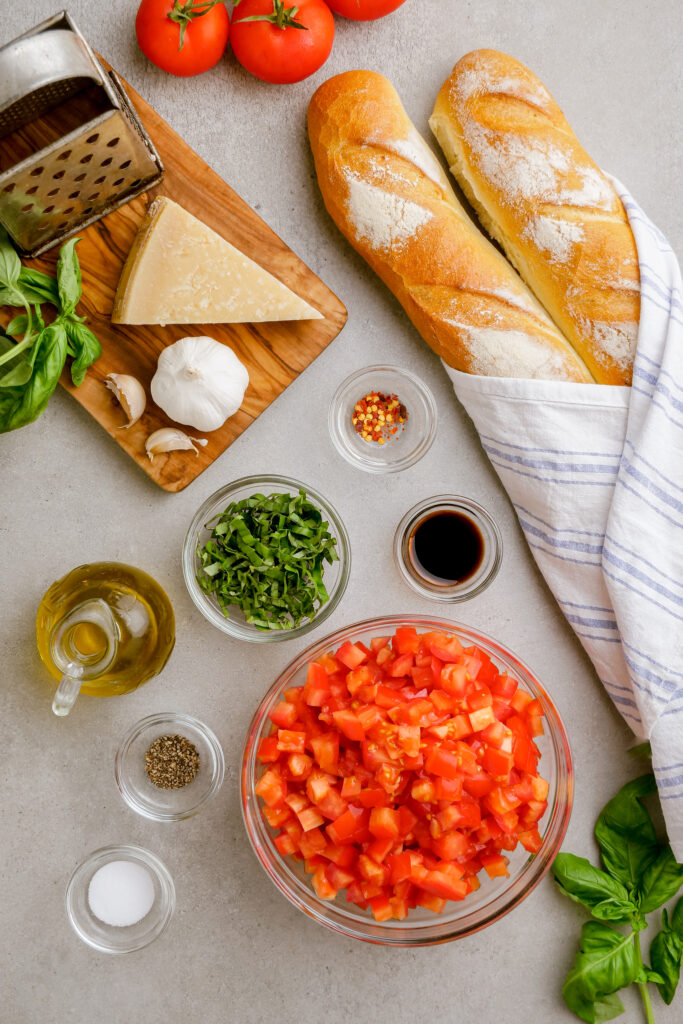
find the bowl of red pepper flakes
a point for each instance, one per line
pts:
(382, 419)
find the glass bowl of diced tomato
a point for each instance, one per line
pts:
(406, 781)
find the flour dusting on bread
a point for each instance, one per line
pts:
(502, 353)
(414, 148)
(556, 237)
(381, 218)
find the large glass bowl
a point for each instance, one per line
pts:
(422, 927)
(335, 576)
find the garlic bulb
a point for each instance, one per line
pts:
(170, 439)
(130, 394)
(199, 382)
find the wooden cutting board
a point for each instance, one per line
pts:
(274, 353)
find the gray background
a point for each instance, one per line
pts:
(236, 950)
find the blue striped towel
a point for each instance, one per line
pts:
(595, 474)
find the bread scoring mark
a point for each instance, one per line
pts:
(414, 149)
(382, 219)
(556, 237)
(496, 352)
(523, 169)
(474, 81)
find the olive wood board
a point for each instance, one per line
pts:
(274, 353)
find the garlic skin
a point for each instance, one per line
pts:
(199, 382)
(130, 395)
(170, 439)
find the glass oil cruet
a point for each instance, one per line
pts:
(103, 629)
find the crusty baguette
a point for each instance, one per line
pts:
(539, 194)
(387, 193)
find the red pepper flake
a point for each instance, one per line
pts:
(378, 417)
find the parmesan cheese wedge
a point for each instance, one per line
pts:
(179, 271)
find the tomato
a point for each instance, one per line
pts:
(183, 37)
(280, 47)
(402, 770)
(364, 10)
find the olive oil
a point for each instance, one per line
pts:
(109, 615)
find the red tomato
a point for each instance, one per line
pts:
(364, 10)
(278, 47)
(183, 37)
(394, 789)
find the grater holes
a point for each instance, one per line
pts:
(92, 138)
(27, 207)
(75, 195)
(119, 181)
(86, 159)
(53, 192)
(93, 196)
(126, 163)
(48, 209)
(59, 174)
(69, 209)
(80, 177)
(9, 188)
(113, 142)
(105, 163)
(98, 181)
(88, 209)
(134, 184)
(32, 191)
(37, 171)
(65, 155)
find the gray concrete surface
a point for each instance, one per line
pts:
(236, 950)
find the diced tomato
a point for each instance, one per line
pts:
(268, 750)
(349, 724)
(283, 715)
(403, 769)
(272, 789)
(351, 655)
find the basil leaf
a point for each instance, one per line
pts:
(38, 287)
(605, 897)
(22, 405)
(10, 264)
(625, 833)
(660, 881)
(606, 962)
(666, 952)
(16, 371)
(86, 349)
(17, 325)
(266, 556)
(69, 277)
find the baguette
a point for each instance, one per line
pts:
(388, 195)
(550, 207)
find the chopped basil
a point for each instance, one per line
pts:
(266, 555)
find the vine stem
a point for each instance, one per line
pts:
(642, 985)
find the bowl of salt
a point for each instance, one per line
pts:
(120, 898)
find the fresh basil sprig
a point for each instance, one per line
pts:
(266, 555)
(640, 874)
(31, 367)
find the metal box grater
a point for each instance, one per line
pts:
(71, 147)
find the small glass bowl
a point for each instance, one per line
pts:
(139, 791)
(496, 896)
(335, 578)
(108, 938)
(407, 445)
(480, 578)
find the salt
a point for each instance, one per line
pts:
(121, 893)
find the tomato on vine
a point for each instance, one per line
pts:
(364, 10)
(282, 44)
(183, 37)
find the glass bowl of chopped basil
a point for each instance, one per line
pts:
(266, 558)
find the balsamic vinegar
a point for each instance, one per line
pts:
(446, 547)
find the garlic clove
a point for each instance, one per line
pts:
(170, 439)
(130, 394)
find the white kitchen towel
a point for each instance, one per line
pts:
(595, 474)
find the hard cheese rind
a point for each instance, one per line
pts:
(179, 271)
